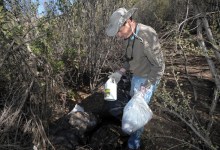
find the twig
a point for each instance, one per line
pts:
(212, 109)
(183, 142)
(206, 140)
(187, 74)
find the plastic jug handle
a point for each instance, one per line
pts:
(113, 80)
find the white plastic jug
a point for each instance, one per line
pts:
(110, 93)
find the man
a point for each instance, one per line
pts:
(144, 58)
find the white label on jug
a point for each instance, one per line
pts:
(107, 92)
(110, 93)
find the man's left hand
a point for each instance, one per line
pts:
(145, 86)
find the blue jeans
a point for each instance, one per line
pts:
(134, 139)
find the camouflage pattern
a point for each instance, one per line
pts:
(117, 19)
(148, 60)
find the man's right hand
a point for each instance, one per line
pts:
(116, 75)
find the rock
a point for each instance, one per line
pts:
(65, 139)
(83, 121)
(69, 131)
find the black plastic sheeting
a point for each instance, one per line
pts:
(74, 131)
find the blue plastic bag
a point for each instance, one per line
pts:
(136, 114)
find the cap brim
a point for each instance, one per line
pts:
(112, 29)
(130, 13)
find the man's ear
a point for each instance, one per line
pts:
(129, 21)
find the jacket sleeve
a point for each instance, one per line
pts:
(126, 65)
(154, 54)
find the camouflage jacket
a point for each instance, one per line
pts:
(143, 54)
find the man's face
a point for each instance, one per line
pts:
(125, 31)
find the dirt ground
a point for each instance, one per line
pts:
(164, 131)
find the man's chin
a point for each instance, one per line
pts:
(126, 38)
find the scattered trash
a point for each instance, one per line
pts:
(76, 109)
(136, 114)
(110, 93)
(35, 147)
(82, 121)
(94, 129)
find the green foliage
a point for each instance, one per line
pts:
(58, 66)
(161, 7)
(155, 12)
(215, 25)
(71, 94)
(1, 14)
(189, 45)
(76, 40)
(4, 78)
(10, 24)
(70, 57)
(38, 47)
(175, 99)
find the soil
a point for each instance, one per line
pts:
(165, 130)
